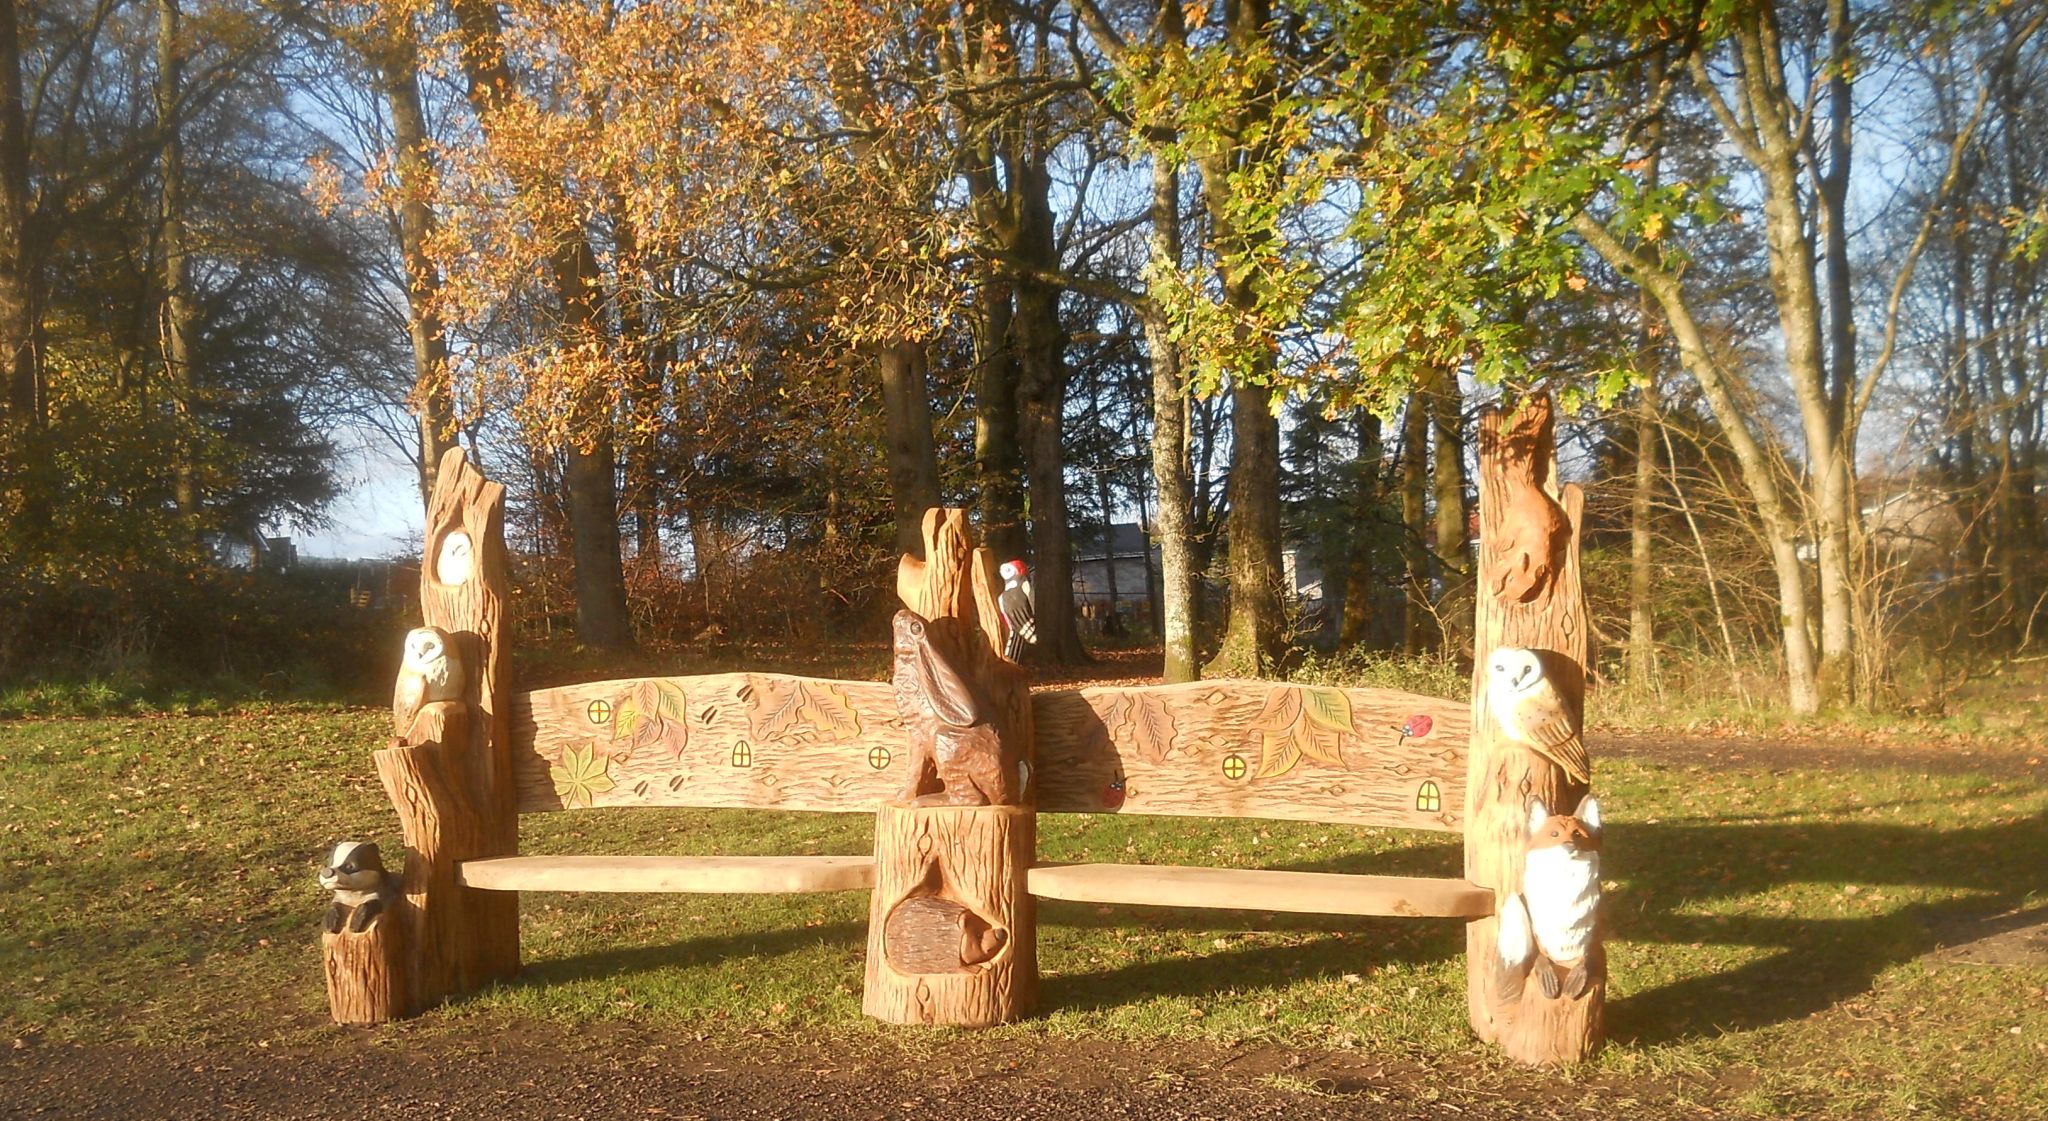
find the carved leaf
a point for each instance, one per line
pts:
(777, 705)
(670, 701)
(1115, 714)
(1151, 727)
(1281, 710)
(1280, 752)
(830, 712)
(1330, 708)
(1320, 744)
(581, 776)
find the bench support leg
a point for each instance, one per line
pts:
(952, 929)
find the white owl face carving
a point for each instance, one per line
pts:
(1513, 669)
(425, 649)
(455, 562)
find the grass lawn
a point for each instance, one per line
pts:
(1774, 924)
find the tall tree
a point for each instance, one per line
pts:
(591, 478)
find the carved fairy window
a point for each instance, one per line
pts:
(1234, 767)
(743, 754)
(878, 758)
(1429, 798)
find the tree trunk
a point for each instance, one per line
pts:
(1642, 616)
(177, 306)
(1453, 559)
(18, 302)
(591, 476)
(1505, 776)
(1359, 585)
(1758, 471)
(1418, 626)
(1254, 638)
(1772, 147)
(643, 394)
(396, 64)
(1041, 346)
(913, 462)
(998, 460)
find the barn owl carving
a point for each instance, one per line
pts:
(432, 672)
(1534, 711)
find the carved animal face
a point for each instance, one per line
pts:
(1514, 670)
(1575, 833)
(353, 866)
(426, 648)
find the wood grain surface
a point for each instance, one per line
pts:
(1258, 889)
(1209, 749)
(1255, 749)
(1506, 775)
(366, 972)
(977, 857)
(722, 875)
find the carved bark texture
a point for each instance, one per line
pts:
(1504, 776)
(944, 862)
(466, 595)
(367, 978)
(1255, 749)
(456, 936)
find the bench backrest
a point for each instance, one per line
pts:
(1252, 749)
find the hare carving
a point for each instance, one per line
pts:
(957, 757)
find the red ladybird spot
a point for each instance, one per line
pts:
(1417, 726)
(1113, 796)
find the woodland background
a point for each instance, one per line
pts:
(729, 291)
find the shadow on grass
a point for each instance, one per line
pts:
(1672, 873)
(1671, 876)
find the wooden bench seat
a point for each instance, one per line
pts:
(723, 875)
(1258, 889)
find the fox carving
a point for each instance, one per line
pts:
(1551, 924)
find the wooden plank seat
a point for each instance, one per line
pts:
(726, 875)
(1258, 889)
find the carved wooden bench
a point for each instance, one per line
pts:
(952, 929)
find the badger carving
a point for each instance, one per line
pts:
(362, 888)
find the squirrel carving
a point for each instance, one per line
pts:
(1551, 924)
(1533, 527)
(950, 721)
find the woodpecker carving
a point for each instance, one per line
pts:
(1015, 604)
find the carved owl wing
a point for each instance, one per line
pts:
(1548, 723)
(406, 700)
(953, 699)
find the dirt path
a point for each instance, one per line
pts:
(540, 1073)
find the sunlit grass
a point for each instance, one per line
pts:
(1769, 927)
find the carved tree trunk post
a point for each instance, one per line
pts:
(450, 775)
(367, 974)
(952, 930)
(428, 782)
(1504, 776)
(949, 886)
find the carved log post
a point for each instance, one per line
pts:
(952, 934)
(428, 781)
(1529, 596)
(952, 930)
(465, 586)
(367, 974)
